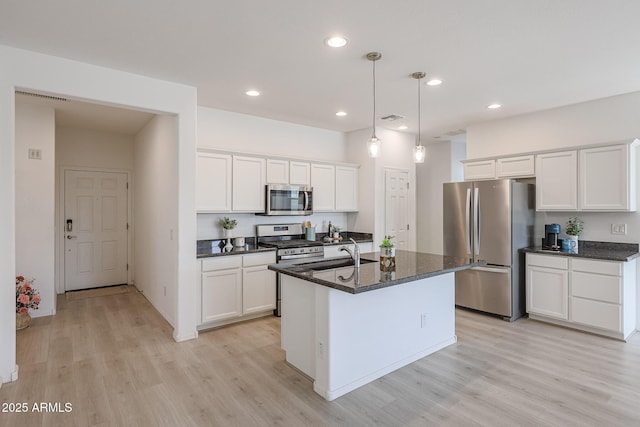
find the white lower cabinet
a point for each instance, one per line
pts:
(593, 295)
(236, 286)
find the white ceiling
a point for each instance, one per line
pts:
(527, 55)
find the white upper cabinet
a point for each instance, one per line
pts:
(323, 183)
(277, 171)
(608, 178)
(482, 169)
(557, 181)
(515, 167)
(346, 189)
(299, 173)
(213, 182)
(248, 184)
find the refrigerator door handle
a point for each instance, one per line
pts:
(476, 221)
(468, 221)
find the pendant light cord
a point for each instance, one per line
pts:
(373, 118)
(419, 114)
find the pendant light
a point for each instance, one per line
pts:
(373, 144)
(419, 152)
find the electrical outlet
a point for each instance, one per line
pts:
(619, 229)
(320, 349)
(423, 320)
(35, 153)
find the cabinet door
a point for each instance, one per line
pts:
(346, 189)
(213, 182)
(512, 167)
(604, 179)
(483, 169)
(258, 289)
(299, 173)
(221, 295)
(323, 183)
(548, 292)
(248, 184)
(277, 171)
(557, 181)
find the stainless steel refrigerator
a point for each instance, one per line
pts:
(490, 221)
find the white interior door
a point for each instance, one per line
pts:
(397, 206)
(95, 221)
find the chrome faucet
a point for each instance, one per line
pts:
(355, 254)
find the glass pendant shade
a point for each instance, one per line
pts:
(419, 153)
(373, 146)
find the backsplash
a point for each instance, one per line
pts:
(597, 225)
(209, 227)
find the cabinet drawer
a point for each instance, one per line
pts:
(549, 261)
(596, 286)
(484, 169)
(599, 267)
(222, 262)
(598, 314)
(263, 258)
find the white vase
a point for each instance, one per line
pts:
(574, 244)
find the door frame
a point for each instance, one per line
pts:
(59, 228)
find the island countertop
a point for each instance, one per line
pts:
(410, 266)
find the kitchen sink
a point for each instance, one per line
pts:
(327, 264)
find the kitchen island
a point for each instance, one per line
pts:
(345, 327)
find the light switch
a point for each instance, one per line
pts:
(35, 153)
(619, 229)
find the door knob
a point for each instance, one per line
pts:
(70, 237)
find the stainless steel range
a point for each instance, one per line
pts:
(290, 245)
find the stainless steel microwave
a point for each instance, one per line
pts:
(288, 200)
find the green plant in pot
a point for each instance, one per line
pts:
(387, 254)
(573, 229)
(228, 225)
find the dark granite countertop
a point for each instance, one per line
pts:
(211, 248)
(410, 266)
(606, 251)
(346, 235)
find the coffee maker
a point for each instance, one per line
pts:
(550, 241)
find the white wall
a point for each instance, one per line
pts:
(35, 202)
(249, 134)
(24, 70)
(442, 164)
(396, 152)
(92, 148)
(156, 214)
(603, 120)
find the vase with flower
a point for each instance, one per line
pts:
(228, 225)
(27, 298)
(387, 255)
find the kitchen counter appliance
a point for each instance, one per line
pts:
(551, 241)
(290, 244)
(490, 221)
(288, 200)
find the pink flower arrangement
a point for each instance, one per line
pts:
(26, 296)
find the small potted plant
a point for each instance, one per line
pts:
(573, 229)
(387, 254)
(27, 298)
(228, 225)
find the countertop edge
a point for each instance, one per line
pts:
(232, 253)
(620, 256)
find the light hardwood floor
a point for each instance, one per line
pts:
(114, 360)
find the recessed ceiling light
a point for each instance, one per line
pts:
(252, 93)
(493, 106)
(403, 127)
(341, 114)
(336, 41)
(434, 82)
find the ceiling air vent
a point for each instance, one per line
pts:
(391, 117)
(39, 95)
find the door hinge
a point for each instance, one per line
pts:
(127, 185)
(127, 226)
(407, 185)
(407, 226)
(127, 267)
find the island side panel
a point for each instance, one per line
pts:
(298, 323)
(362, 337)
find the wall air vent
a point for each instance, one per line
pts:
(391, 117)
(39, 95)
